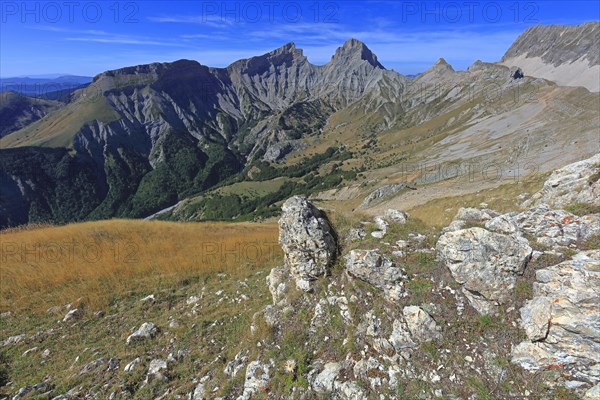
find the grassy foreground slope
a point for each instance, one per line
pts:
(100, 262)
(113, 266)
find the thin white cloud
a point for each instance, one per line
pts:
(71, 31)
(123, 40)
(206, 36)
(208, 20)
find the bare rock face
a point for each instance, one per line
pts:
(485, 264)
(308, 241)
(535, 317)
(557, 227)
(562, 321)
(567, 55)
(574, 183)
(372, 267)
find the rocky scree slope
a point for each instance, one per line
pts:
(495, 262)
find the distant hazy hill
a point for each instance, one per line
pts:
(45, 88)
(18, 111)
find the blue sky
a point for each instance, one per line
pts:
(88, 37)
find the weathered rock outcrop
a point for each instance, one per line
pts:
(485, 264)
(470, 215)
(381, 193)
(556, 227)
(397, 216)
(308, 241)
(372, 267)
(562, 321)
(422, 327)
(257, 378)
(575, 183)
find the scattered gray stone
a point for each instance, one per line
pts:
(422, 327)
(397, 216)
(158, 370)
(132, 365)
(73, 315)
(382, 227)
(41, 387)
(146, 331)
(27, 352)
(238, 362)
(257, 378)
(199, 392)
(13, 340)
(356, 234)
(149, 299)
(100, 365)
(372, 267)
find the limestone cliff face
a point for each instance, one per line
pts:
(558, 44)
(568, 55)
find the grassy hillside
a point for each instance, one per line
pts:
(96, 263)
(59, 128)
(113, 267)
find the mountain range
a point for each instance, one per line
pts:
(197, 142)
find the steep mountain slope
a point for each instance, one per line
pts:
(567, 55)
(18, 111)
(445, 132)
(159, 132)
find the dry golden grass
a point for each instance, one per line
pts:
(504, 198)
(96, 262)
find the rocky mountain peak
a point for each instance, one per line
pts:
(288, 48)
(441, 61)
(354, 50)
(285, 55)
